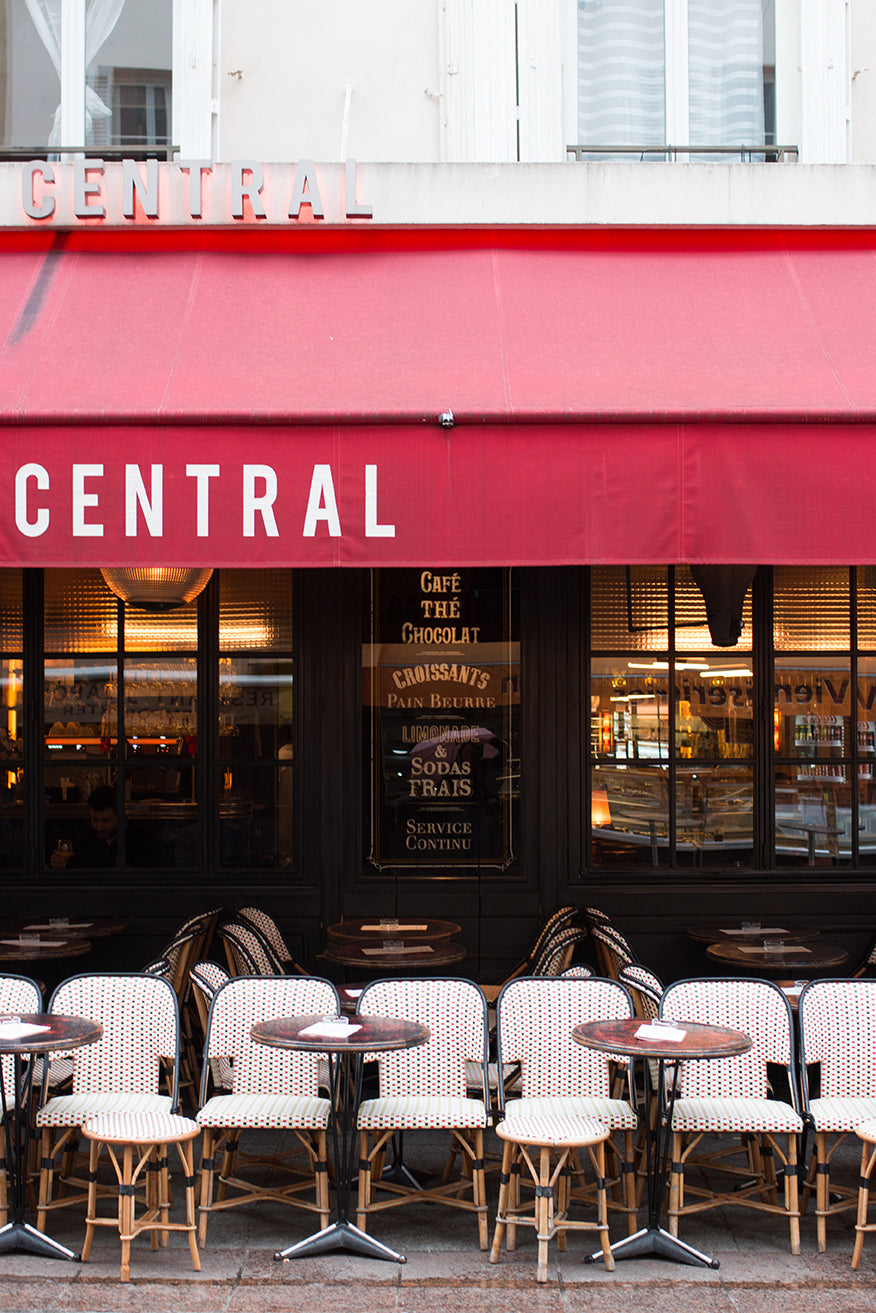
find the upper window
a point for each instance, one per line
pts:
(101, 74)
(658, 73)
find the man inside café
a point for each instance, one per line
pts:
(98, 845)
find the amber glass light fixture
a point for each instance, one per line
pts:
(156, 588)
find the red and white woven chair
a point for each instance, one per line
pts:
(207, 978)
(425, 1089)
(273, 1089)
(562, 1079)
(838, 1031)
(271, 933)
(120, 1073)
(248, 954)
(731, 1097)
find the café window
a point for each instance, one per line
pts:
(824, 634)
(254, 778)
(120, 709)
(442, 689)
(671, 726)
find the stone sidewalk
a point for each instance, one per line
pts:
(445, 1272)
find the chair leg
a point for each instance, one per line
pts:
(91, 1208)
(676, 1182)
(186, 1153)
(868, 1158)
(822, 1190)
(206, 1182)
(792, 1192)
(504, 1195)
(126, 1209)
(544, 1211)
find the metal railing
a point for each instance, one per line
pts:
(156, 151)
(669, 154)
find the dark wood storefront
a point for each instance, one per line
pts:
(331, 872)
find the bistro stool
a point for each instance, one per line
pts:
(548, 1146)
(867, 1133)
(147, 1133)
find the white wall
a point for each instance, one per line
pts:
(283, 70)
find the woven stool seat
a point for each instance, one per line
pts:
(866, 1131)
(136, 1143)
(553, 1131)
(547, 1145)
(140, 1128)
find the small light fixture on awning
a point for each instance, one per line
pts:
(156, 588)
(723, 588)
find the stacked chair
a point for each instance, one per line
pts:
(266, 927)
(542, 946)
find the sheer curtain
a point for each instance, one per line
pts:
(101, 17)
(622, 73)
(725, 45)
(621, 95)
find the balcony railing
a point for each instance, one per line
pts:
(758, 154)
(156, 151)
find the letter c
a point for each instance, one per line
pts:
(30, 528)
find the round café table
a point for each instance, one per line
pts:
(97, 927)
(371, 955)
(27, 1037)
(801, 959)
(633, 1037)
(345, 1041)
(406, 928)
(46, 948)
(723, 933)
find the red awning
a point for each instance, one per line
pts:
(617, 397)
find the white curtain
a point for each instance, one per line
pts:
(621, 99)
(621, 73)
(725, 44)
(101, 17)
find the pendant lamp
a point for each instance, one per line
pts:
(156, 588)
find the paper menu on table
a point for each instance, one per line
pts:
(330, 1030)
(19, 1029)
(665, 1034)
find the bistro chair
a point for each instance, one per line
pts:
(18, 994)
(557, 954)
(273, 1089)
(555, 923)
(560, 1078)
(866, 1132)
(248, 954)
(120, 1073)
(613, 950)
(645, 988)
(731, 1097)
(270, 932)
(868, 966)
(837, 1020)
(207, 977)
(424, 1088)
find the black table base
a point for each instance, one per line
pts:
(656, 1241)
(341, 1235)
(18, 1235)
(345, 1087)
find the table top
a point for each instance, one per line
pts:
(619, 1036)
(375, 1034)
(800, 957)
(50, 946)
(79, 927)
(410, 927)
(724, 931)
(368, 954)
(60, 1032)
